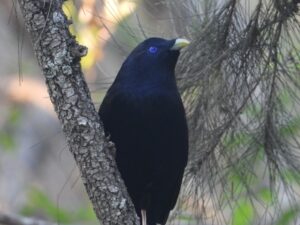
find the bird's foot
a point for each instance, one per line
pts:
(144, 217)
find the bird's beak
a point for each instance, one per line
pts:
(179, 44)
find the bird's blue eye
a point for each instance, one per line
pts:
(152, 49)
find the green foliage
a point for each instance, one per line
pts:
(7, 141)
(265, 195)
(14, 116)
(292, 127)
(243, 214)
(288, 216)
(233, 142)
(292, 176)
(39, 202)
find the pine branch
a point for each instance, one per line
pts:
(240, 83)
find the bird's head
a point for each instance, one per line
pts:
(155, 54)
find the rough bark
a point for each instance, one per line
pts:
(59, 56)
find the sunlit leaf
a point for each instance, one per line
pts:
(266, 195)
(243, 214)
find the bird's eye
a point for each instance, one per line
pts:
(152, 49)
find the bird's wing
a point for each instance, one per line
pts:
(167, 129)
(150, 133)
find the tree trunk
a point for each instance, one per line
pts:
(59, 57)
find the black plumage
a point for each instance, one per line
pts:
(144, 116)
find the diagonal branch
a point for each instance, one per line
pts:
(11, 219)
(59, 57)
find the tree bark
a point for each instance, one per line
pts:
(59, 55)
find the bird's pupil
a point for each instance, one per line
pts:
(152, 49)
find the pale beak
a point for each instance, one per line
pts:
(179, 44)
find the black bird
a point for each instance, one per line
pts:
(144, 116)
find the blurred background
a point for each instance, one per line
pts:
(38, 176)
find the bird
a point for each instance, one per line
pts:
(143, 115)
